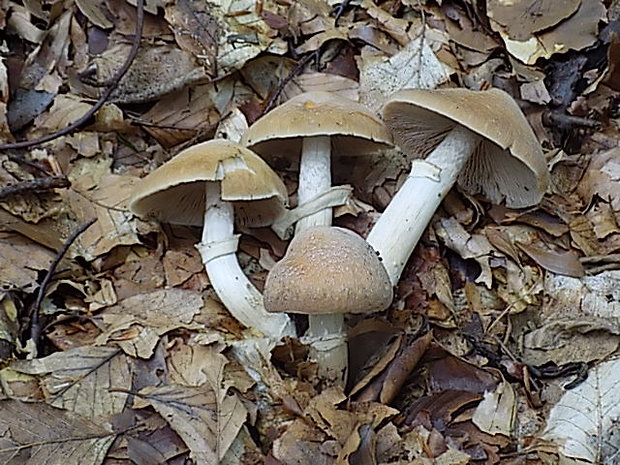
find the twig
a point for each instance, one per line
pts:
(104, 97)
(35, 324)
(34, 185)
(294, 72)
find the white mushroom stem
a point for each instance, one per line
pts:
(218, 250)
(401, 225)
(325, 332)
(315, 177)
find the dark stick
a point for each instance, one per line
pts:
(34, 185)
(104, 97)
(35, 324)
(294, 72)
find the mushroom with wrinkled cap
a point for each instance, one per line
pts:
(328, 270)
(311, 126)
(210, 184)
(478, 138)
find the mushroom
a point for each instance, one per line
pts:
(312, 126)
(478, 138)
(209, 184)
(328, 270)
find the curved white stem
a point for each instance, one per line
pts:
(325, 332)
(401, 225)
(231, 285)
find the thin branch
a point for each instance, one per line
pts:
(35, 324)
(294, 72)
(104, 97)
(34, 185)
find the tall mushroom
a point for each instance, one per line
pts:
(478, 138)
(310, 127)
(209, 184)
(328, 270)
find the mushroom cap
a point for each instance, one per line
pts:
(175, 192)
(353, 129)
(507, 164)
(328, 270)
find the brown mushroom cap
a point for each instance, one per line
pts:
(328, 270)
(508, 163)
(175, 192)
(353, 129)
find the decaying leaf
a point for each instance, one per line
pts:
(39, 434)
(495, 414)
(584, 423)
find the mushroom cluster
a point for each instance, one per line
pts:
(479, 140)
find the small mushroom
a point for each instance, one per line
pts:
(328, 271)
(310, 127)
(208, 184)
(478, 138)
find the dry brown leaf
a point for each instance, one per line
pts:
(522, 18)
(566, 263)
(182, 115)
(156, 71)
(575, 33)
(81, 379)
(38, 434)
(136, 324)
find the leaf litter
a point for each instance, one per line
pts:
(501, 345)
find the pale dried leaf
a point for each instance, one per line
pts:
(496, 413)
(584, 423)
(415, 66)
(81, 379)
(38, 434)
